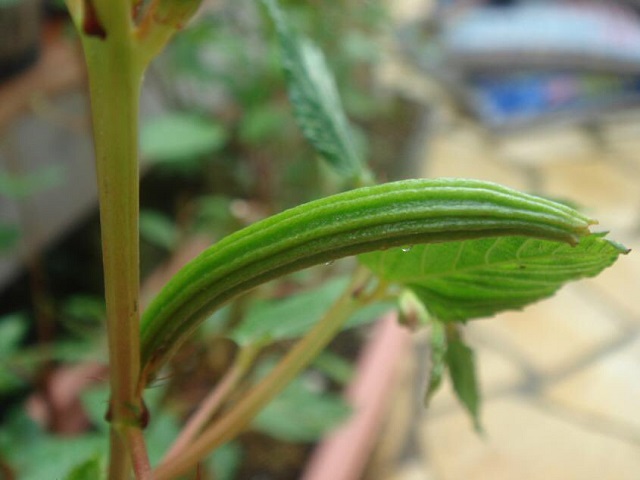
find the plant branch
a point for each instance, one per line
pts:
(139, 455)
(298, 358)
(115, 77)
(214, 401)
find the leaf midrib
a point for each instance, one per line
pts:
(424, 277)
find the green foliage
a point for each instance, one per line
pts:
(35, 454)
(334, 367)
(438, 351)
(291, 317)
(178, 138)
(478, 278)
(19, 363)
(90, 469)
(361, 220)
(13, 328)
(463, 280)
(19, 186)
(225, 461)
(9, 236)
(213, 214)
(89, 308)
(460, 361)
(461, 249)
(159, 230)
(315, 99)
(302, 413)
(261, 124)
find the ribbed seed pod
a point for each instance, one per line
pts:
(362, 220)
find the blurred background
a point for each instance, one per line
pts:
(542, 96)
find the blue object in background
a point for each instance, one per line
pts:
(515, 99)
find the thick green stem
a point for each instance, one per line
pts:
(115, 77)
(237, 418)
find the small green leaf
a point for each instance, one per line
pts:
(461, 363)
(468, 279)
(35, 454)
(84, 307)
(26, 184)
(90, 469)
(363, 220)
(302, 414)
(13, 328)
(262, 124)
(9, 236)
(178, 137)
(212, 210)
(273, 320)
(159, 230)
(315, 98)
(438, 351)
(225, 461)
(335, 367)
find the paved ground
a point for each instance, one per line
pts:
(561, 380)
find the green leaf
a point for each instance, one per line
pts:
(315, 98)
(178, 137)
(225, 461)
(87, 308)
(34, 454)
(90, 469)
(468, 279)
(13, 328)
(213, 213)
(262, 124)
(272, 320)
(158, 229)
(335, 367)
(362, 220)
(302, 414)
(461, 362)
(9, 236)
(438, 351)
(23, 185)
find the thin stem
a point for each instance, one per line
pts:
(139, 455)
(115, 77)
(214, 401)
(237, 418)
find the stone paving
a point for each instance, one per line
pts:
(561, 379)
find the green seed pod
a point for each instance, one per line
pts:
(372, 218)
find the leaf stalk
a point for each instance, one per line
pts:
(297, 359)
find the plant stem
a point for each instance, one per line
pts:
(236, 419)
(115, 77)
(214, 400)
(139, 455)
